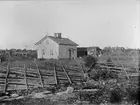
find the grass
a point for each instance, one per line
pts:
(124, 58)
(128, 61)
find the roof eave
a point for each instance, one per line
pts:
(40, 41)
(69, 44)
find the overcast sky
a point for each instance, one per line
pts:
(87, 22)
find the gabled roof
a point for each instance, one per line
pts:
(60, 41)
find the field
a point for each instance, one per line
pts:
(28, 75)
(127, 59)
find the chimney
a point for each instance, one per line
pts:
(57, 35)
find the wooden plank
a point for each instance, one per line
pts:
(76, 74)
(2, 80)
(16, 75)
(15, 81)
(3, 64)
(75, 77)
(32, 75)
(49, 80)
(116, 68)
(2, 75)
(122, 67)
(55, 77)
(2, 87)
(25, 79)
(33, 81)
(16, 72)
(17, 68)
(32, 78)
(87, 90)
(15, 87)
(60, 71)
(125, 71)
(72, 67)
(3, 69)
(28, 70)
(66, 74)
(116, 71)
(63, 81)
(46, 71)
(62, 78)
(134, 74)
(39, 75)
(43, 75)
(5, 86)
(61, 75)
(33, 86)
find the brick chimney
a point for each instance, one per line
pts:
(57, 35)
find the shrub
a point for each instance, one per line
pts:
(132, 94)
(102, 74)
(3, 58)
(90, 61)
(41, 59)
(109, 60)
(116, 96)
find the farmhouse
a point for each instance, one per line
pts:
(56, 47)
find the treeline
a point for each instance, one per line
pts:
(118, 49)
(17, 54)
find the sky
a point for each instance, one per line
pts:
(87, 22)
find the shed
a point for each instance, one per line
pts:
(81, 51)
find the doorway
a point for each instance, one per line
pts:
(70, 53)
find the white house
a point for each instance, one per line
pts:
(56, 47)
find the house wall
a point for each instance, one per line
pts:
(64, 51)
(50, 49)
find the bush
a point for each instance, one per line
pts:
(41, 59)
(116, 95)
(132, 94)
(3, 58)
(109, 60)
(102, 74)
(90, 61)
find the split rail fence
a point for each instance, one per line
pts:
(25, 76)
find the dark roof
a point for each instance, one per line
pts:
(93, 47)
(60, 41)
(81, 48)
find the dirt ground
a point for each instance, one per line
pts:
(44, 101)
(30, 102)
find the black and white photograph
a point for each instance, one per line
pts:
(69, 52)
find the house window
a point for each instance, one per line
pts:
(51, 52)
